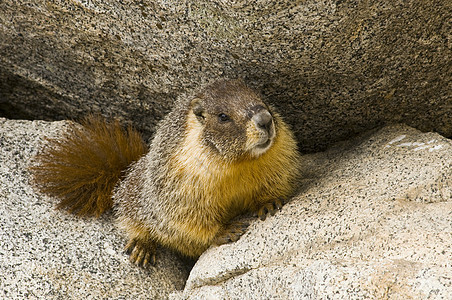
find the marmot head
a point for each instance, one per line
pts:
(234, 121)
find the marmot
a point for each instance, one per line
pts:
(215, 156)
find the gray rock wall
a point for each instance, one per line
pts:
(333, 68)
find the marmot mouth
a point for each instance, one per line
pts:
(261, 148)
(264, 145)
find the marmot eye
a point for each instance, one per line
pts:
(223, 117)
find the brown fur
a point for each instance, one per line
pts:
(201, 173)
(82, 167)
(213, 158)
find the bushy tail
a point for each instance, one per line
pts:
(82, 167)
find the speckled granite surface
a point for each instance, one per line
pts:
(48, 254)
(333, 68)
(372, 220)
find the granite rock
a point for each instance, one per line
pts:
(333, 68)
(372, 220)
(48, 254)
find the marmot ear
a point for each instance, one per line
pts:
(197, 109)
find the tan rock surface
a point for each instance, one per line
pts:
(48, 254)
(373, 219)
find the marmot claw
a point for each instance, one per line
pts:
(231, 233)
(141, 253)
(269, 208)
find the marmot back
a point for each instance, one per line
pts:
(214, 157)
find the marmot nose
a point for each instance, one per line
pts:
(263, 119)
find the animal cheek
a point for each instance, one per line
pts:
(234, 143)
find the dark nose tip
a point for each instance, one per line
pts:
(263, 119)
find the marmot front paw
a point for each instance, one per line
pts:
(269, 208)
(231, 233)
(141, 253)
